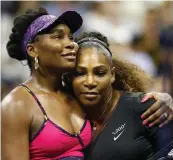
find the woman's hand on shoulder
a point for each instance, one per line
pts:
(161, 112)
(16, 120)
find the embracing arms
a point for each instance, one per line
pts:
(161, 112)
(160, 137)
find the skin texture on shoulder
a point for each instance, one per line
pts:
(16, 114)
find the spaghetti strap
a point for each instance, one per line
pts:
(36, 99)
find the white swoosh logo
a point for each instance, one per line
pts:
(115, 138)
(170, 154)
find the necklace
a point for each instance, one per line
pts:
(94, 126)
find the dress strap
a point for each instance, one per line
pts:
(36, 99)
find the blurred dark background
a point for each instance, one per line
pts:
(140, 32)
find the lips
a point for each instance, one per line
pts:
(90, 95)
(69, 55)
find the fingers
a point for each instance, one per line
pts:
(163, 97)
(147, 97)
(155, 117)
(156, 106)
(159, 118)
(170, 118)
(155, 114)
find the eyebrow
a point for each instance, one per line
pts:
(101, 67)
(97, 67)
(56, 30)
(80, 67)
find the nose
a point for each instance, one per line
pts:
(76, 46)
(70, 45)
(90, 82)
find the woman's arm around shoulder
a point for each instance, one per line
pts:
(161, 138)
(16, 120)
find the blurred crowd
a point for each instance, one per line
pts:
(140, 32)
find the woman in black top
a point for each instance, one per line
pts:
(119, 133)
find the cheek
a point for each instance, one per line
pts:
(104, 83)
(76, 83)
(56, 48)
(52, 46)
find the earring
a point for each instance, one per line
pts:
(36, 63)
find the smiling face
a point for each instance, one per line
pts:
(55, 49)
(94, 77)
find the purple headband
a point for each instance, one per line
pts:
(37, 26)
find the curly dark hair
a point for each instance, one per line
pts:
(128, 77)
(20, 25)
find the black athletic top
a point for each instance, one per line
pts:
(125, 138)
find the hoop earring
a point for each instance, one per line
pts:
(36, 65)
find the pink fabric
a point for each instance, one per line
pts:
(52, 142)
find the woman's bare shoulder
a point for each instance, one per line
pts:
(18, 96)
(17, 102)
